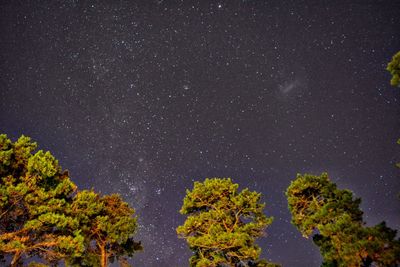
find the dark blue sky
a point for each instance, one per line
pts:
(144, 97)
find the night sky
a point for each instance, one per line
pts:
(144, 97)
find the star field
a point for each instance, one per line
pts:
(144, 97)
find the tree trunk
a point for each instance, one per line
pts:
(103, 259)
(15, 259)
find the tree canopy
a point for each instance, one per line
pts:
(394, 68)
(334, 220)
(223, 224)
(108, 225)
(42, 213)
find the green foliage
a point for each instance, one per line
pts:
(316, 200)
(394, 68)
(42, 165)
(108, 225)
(222, 224)
(33, 199)
(334, 220)
(43, 215)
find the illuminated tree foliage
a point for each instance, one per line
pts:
(334, 220)
(108, 225)
(42, 214)
(34, 193)
(394, 68)
(222, 224)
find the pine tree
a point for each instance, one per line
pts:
(108, 225)
(334, 220)
(223, 224)
(42, 214)
(34, 193)
(394, 68)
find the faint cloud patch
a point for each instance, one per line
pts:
(291, 89)
(288, 87)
